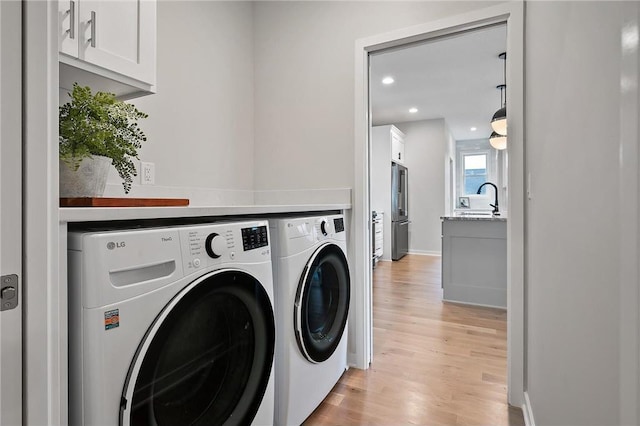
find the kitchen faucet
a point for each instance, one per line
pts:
(496, 209)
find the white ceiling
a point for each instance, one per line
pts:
(454, 78)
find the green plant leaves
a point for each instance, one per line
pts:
(101, 125)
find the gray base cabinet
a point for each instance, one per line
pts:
(474, 261)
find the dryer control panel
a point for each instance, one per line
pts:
(330, 227)
(296, 234)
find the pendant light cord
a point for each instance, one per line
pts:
(504, 80)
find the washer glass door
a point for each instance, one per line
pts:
(322, 303)
(207, 358)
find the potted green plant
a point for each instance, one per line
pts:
(97, 131)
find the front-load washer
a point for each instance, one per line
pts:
(312, 291)
(171, 326)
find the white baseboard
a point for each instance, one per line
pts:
(418, 253)
(426, 253)
(527, 411)
(481, 305)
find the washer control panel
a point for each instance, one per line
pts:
(206, 245)
(255, 237)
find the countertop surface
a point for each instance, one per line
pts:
(99, 214)
(475, 218)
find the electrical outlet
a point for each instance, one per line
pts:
(147, 173)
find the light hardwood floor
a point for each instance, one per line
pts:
(434, 362)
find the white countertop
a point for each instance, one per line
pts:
(474, 218)
(97, 214)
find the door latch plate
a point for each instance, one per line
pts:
(8, 292)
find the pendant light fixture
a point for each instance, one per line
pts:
(499, 120)
(498, 141)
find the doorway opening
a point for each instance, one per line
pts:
(431, 107)
(510, 15)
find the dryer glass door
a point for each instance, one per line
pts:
(322, 303)
(207, 358)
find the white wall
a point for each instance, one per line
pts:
(200, 126)
(304, 67)
(425, 153)
(577, 98)
(304, 99)
(201, 133)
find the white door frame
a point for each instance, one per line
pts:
(512, 14)
(11, 211)
(45, 297)
(629, 226)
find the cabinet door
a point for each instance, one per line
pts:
(68, 27)
(120, 36)
(397, 148)
(401, 155)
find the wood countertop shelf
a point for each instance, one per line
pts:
(123, 202)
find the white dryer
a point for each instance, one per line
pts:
(171, 326)
(312, 290)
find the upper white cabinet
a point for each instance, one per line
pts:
(108, 45)
(392, 137)
(68, 27)
(397, 145)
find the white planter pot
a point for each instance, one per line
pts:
(88, 181)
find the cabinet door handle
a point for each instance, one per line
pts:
(72, 20)
(92, 22)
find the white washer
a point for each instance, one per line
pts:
(171, 326)
(312, 290)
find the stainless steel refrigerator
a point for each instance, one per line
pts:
(399, 211)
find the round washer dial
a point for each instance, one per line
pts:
(215, 245)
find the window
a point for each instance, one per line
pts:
(476, 163)
(474, 172)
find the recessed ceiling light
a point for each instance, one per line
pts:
(473, 129)
(413, 110)
(387, 80)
